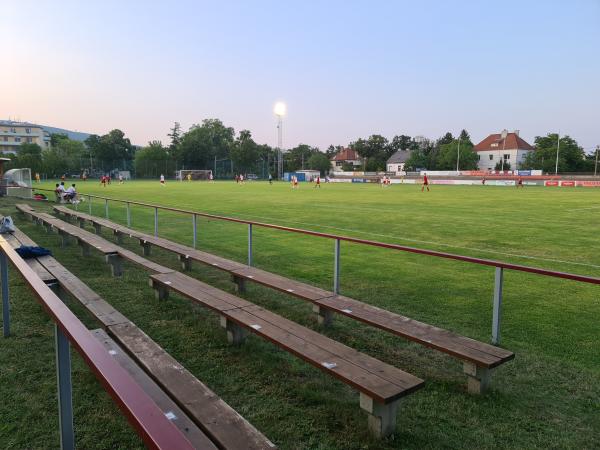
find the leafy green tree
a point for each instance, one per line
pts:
(464, 136)
(29, 156)
(297, 157)
(571, 157)
(319, 161)
(153, 160)
(448, 153)
(110, 150)
(203, 143)
(245, 153)
(502, 165)
(373, 148)
(175, 135)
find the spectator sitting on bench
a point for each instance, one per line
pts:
(60, 192)
(71, 194)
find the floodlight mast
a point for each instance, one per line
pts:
(279, 111)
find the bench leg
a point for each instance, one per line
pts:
(186, 263)
(382, 418)
(118, 236)
(146, 246)
(64, 238)
(240, 284)
(236, 335)
(160, 291)
(324, 315)
(97, 229)
(48, 228)
(81, 223)
(116, 265)
(85, 248)
(478, 378)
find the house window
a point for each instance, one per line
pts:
(13, 130)
(29, 140)
(478, 157)
(491, 157)
(495, 144)
(5, 138)
(507, 156)
(17, 139)
(339, 163)
(27, 130)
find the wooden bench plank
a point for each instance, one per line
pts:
(34, 263)
(209, 296)
(145, 263)
(162, 400)
(283, 284)
(216, 418)
(428, 335)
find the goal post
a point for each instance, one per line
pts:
(182, 175)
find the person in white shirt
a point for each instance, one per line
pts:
(70, 193)
(162, 180)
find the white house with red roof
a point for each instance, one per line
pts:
(348, 156)
(508, 146)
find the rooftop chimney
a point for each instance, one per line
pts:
(504, 133)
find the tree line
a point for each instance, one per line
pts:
(214, 146)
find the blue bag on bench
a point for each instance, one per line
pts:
(27, 252)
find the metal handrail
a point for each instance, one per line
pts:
(155, 429)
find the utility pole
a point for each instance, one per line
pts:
(596, 165)
(557, 149)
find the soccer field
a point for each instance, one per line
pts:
(547, 397)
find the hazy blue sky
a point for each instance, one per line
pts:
(346, 69)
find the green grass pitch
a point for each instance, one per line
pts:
(548, 397)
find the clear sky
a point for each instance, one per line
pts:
(346, 69)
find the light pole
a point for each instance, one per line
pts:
(458, 155)
(596, 165)
(557, 149)
(279, 111)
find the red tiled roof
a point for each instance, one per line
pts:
(513, 142)
(346, 155)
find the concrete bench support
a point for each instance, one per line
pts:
(64, 238)
(97, 228)
(186, 263)
(323, 315)
(81, 223)
(147, 247)
(116, 264)
(118, 236)
(382, 418)
(240, 284)
(160, 292)
(236, 335)
(85, 248)
(478, 378)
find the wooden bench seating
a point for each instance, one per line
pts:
(478, 358)
(206, 420)
(380, 385)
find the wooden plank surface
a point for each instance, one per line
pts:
(341, 367)
(200, 292)
(215, 417)
(34, 263)
(283, 284)
(145, 263)
(173, 412)
(461, 347)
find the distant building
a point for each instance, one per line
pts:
(345, 156)
(508, 146)
(397, 161)
(14, 134)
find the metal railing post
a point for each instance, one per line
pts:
(249, 244)
(336, 268)
(5, 303)
(497, 311)
(106, 208)
(63, 377)
(195, 227)
(90, 203)
(128, 214)
(156, 222)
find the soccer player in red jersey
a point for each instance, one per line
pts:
(425, 183)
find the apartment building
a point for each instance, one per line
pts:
(13, 134)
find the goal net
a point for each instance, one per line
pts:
(17, 183)
(184, 175)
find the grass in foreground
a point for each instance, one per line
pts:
(547, 397)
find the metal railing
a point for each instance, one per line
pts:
(499, 266)
(155, 429)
